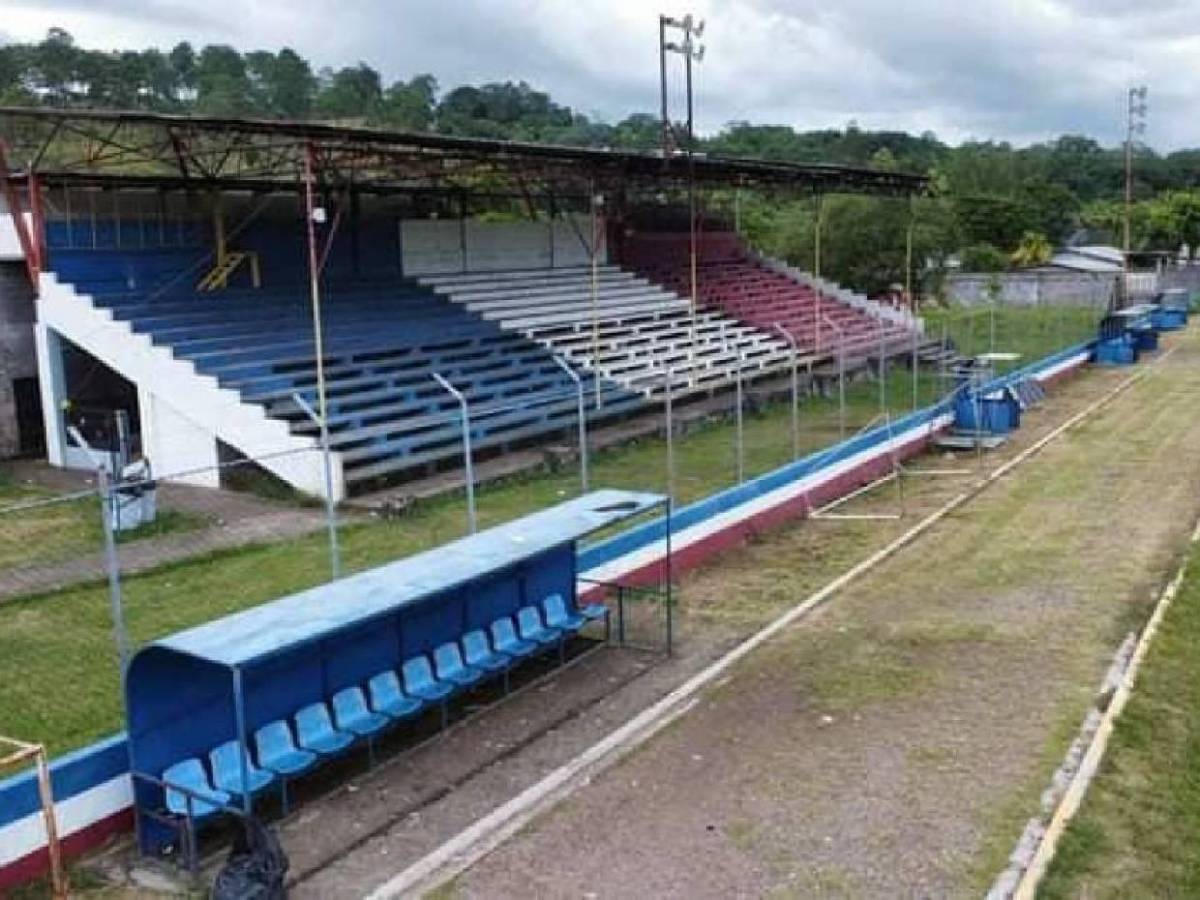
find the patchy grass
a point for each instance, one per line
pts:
(1033, 332)
(57, 660)
(1138, 831)
(57, 530)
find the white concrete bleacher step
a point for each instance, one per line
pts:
(627, 329)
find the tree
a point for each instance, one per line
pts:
(222, 86)
(983, 258)
(409, 105)
(354, 92)
(283, 84)
(1034, 250)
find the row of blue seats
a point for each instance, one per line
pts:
(285, 750)
(383, 341)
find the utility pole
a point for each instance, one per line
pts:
(1135, 124)
(690, 51)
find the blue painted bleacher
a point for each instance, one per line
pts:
(384, 337)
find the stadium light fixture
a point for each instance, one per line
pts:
(691, 52)
(1135, 125)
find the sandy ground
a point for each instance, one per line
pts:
(894, 743)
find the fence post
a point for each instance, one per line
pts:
(670, 435)
(787, 336)
(841, 376)
(469, 471)
(882, 370)
(916, 369)
(739, 437)
(581, 413)
(112, 562)
(335, 555)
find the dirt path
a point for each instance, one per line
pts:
(894, 744)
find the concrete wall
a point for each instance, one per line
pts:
(432, 246)
(1186, 277)
(10, 247)
(18, 357)
(1033, 289)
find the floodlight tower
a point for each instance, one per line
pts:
(1135, 125)
(691, 51)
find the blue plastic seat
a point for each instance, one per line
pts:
(419, 680)
(448, 664)
(351, 713)
(227, 770)
(315, 731)
(505, 640)
(206, 800)
(478, 653)
(530, 627)
(558, 616)
(389, 699)
(277, 751)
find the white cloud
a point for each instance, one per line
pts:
(1018, 70)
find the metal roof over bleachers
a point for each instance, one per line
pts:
(149, 148)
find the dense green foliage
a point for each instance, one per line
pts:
(995, 204)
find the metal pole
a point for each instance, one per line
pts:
(662, 79)
(670, 590)
(58, 878)
(916, 372)
(787, 336)
(882, 371)
(239, 714)
(818, 315)
(992, 326)
(112, 562)
(739, 436)
(911, 297)
(581, 413)
(669, 404)
(469, 470)
(595, 296)
(314, 281)
(841, 375)
(335, 556)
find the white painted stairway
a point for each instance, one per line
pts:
(183, 412)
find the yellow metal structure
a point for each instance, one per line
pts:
(218, 276)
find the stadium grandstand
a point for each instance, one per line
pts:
(219, 280)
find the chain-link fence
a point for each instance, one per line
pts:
(95, 565)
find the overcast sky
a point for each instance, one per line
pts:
(1017, 70)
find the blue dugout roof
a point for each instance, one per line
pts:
(246, 637)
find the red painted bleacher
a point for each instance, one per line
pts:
(728, 279)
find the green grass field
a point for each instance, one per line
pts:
(36, 529)
(1138, 832)
(1033, 332)
(57, 660)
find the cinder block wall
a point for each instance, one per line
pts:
(17, 355)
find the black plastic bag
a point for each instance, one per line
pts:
(256, 867)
